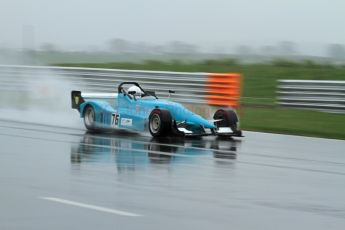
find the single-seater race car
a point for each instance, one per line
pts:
(135, 109)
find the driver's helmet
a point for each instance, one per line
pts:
(138, 91)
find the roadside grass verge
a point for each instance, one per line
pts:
(293, 121)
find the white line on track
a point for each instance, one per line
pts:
(89, 206)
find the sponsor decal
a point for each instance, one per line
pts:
(126, 122)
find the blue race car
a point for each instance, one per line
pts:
(135, 109)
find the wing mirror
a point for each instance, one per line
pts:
(170, 92)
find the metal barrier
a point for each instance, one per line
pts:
(194, 88)
(328, 96)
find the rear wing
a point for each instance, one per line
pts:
(77, 99)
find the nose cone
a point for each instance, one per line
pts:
(180, 113)
(201, 121)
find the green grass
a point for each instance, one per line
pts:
(259, 92)
(293, 121)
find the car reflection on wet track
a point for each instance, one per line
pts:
(127, 151)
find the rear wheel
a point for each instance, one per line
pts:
(90, 118)
(160, 123)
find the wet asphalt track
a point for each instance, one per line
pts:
(61, 178)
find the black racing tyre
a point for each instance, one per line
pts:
(160, 123)
(228, 118)
(90, 118)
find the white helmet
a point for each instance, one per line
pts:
(136, 89)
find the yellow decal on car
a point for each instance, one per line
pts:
(76, 100)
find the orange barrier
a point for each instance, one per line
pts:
(224, 89)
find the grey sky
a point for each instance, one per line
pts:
(79, 23)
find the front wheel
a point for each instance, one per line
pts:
(160, 123)
(227, 118)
